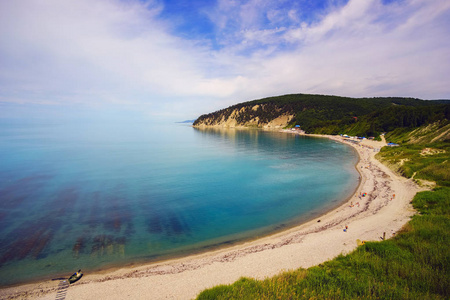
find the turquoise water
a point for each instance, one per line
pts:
(99, 195)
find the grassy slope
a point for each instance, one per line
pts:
(413, 265)
(424, 153)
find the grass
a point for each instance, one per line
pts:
(437, 131)
(410, 161)
(413, 265)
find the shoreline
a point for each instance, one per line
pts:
(304, 245)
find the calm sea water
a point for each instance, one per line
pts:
(99, 195)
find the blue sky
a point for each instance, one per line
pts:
(178, 59)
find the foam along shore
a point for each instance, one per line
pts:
(382, 211)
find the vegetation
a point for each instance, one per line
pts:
(432, 133)
(333, 115)
(424, 154)
(413, 265)
(421, 162)
(386, 120)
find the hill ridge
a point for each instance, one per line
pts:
(327, 114)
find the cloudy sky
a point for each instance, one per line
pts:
(177, 59)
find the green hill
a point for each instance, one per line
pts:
(332, 114)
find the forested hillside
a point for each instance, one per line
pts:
(333, 114)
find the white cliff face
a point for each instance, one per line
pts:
(280, 122)
(232, 120)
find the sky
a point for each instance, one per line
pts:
(178, 59)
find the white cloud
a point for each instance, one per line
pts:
(363, 49)
(102, 49)
(123, 53)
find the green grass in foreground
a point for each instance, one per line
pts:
(413, 265)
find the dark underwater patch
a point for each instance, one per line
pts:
(154, 224)
(28, 240)
(20, 191)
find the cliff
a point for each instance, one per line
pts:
(261, 116)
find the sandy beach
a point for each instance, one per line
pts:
(384, 209)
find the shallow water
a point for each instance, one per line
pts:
(97, 195)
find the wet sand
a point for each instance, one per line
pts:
(366, 218)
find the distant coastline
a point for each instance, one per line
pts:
(186, 122)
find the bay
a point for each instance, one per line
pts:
(96, 195)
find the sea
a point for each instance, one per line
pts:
(94, 196)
